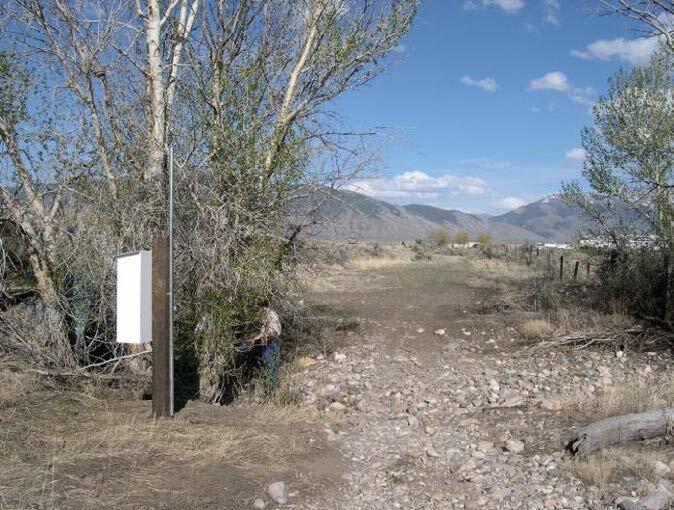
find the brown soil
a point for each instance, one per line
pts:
(70, 450)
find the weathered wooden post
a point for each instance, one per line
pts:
(162, 311)
(575, 270)
(162, 390)
(549, 265)
(561, 267)
(588, 270)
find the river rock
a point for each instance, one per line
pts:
(278, 492)
(514, 446)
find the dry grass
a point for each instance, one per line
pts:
(536, 329)
(15, 384)
(571, 320)
(58, 449)
(328, 277)
(612, 465)
(635, 395)
(370, 264)
(380, 258)
(482, 270)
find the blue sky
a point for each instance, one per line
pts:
(487, 100)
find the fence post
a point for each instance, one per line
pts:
(549, 265)
(162, 392)
(588, 270)
(561, 267)
(575, 270)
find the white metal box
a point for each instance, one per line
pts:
(134, 298)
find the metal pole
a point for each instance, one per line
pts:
(170, 289)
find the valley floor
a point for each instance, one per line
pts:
(427, 405)
(472, 418)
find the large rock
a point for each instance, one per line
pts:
(278, 492)
(661, 469)
(514, 446)
(512, 398)
(552, 405)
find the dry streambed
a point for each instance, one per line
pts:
(435, 407)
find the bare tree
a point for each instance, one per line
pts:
(656, 15)
(241, 88)
(114, 69)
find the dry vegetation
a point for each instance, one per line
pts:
(548, 314)
(536, 329)
(72, 447)
(380, 262)
(485, 271)
(637, 394)
(613, 465)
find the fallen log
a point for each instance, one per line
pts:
(622, 429)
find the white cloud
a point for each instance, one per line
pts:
(551, 8)
(419, 184)
(576, 153)
(634, 51)
(535, 109)
(551, 81)
(580, 99)
(558, 81)
(486, 84)
(509, 6)
(509, 203)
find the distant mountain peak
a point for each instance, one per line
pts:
(349, 214)
(552, 197)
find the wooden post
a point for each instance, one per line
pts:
(561, 267)
(549, 266)
(162, 378)
(575, 270)
(588, 270)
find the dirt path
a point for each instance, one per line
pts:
(453, 420)
(400, 417)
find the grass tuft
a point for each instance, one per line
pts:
(536, 329)
(635, 395)
(613, 465)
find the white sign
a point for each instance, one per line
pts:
(134, 298)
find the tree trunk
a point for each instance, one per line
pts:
(622, 429)
(156, 91)
(57, 342)
(212, 374)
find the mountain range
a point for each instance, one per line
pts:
(347, 214)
